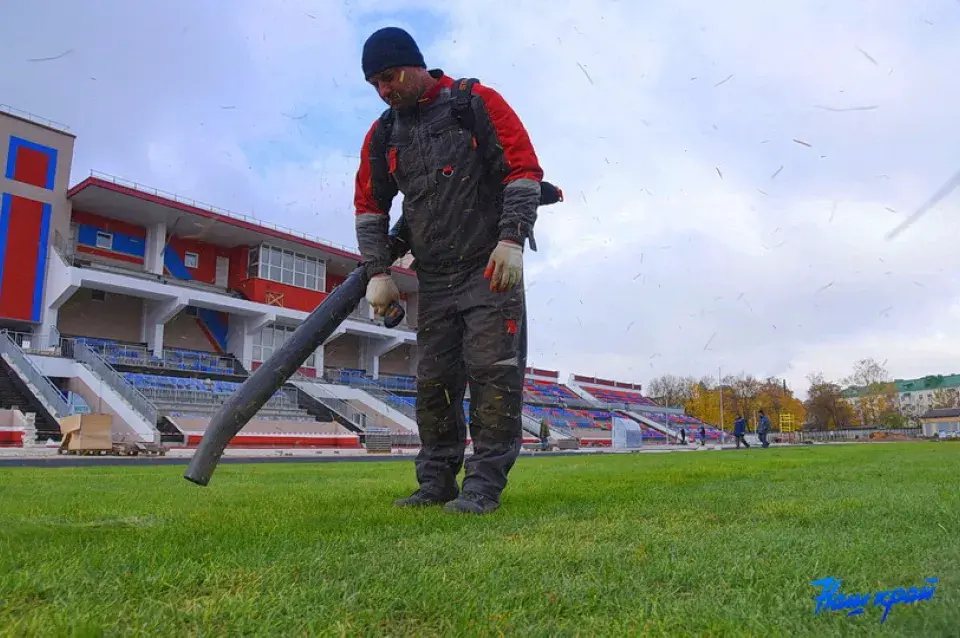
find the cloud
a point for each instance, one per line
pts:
(718, 213)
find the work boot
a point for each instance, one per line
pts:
(472, 503)
(420, 498)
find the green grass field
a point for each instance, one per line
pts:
(704, 543)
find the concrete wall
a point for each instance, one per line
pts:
(397, 361)
(8, 419)
(342, 352)
(118, 317)
(183, 331)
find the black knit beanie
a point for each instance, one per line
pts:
(388, 48)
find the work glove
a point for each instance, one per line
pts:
(505, 268)
(381, 292)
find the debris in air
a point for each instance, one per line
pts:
(589, 79)
(803, 143)
(944, 190)
(849, 108)
(723, 81)
(56, 57)
(777, 173)
(867, 56)
(709, 341)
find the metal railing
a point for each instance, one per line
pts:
(48, 392)
(566, 402)
(391, 399)
(36, 343)
(374, 389)
(119, 181)
(356, 378)
(185, 397)
(36, 119)
(858, 434)
(127, 391)
(171, 359)
(332, 402)
(63, 247)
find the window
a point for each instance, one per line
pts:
(98, 295)
(271, 339)
(287, 267)
(104, 240)
(190, 260)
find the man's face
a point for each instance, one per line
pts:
(397, 87)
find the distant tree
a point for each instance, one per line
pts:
(876, 394)
(826, 409)
(670, 390)
(867, 372)
(777, 400)
(945, 398)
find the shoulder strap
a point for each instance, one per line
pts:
(381, 137)
(462, 94)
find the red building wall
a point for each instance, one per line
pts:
(206, 270)
(24, 235)
(122, 231)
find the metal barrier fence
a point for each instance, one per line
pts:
(851, 435)
(127, 391)
(405, 440)
(391, 399)
(36, 343)
(133, 355)
(50, 393)
(285, 400)
(332, 402)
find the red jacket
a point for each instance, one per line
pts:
(451, 196)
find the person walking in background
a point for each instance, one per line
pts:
(739, 431)
(544, 434)
(763, 428)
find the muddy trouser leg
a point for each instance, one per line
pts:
(495, 353)
(441, 384)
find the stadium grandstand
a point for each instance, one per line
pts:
(121, 299)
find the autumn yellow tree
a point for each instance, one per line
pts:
(743, 395)
(876, 403)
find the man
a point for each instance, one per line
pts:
(763, 427)
(739, 431)
(468, 218)
(544, 434)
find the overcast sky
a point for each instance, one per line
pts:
(731, 168)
